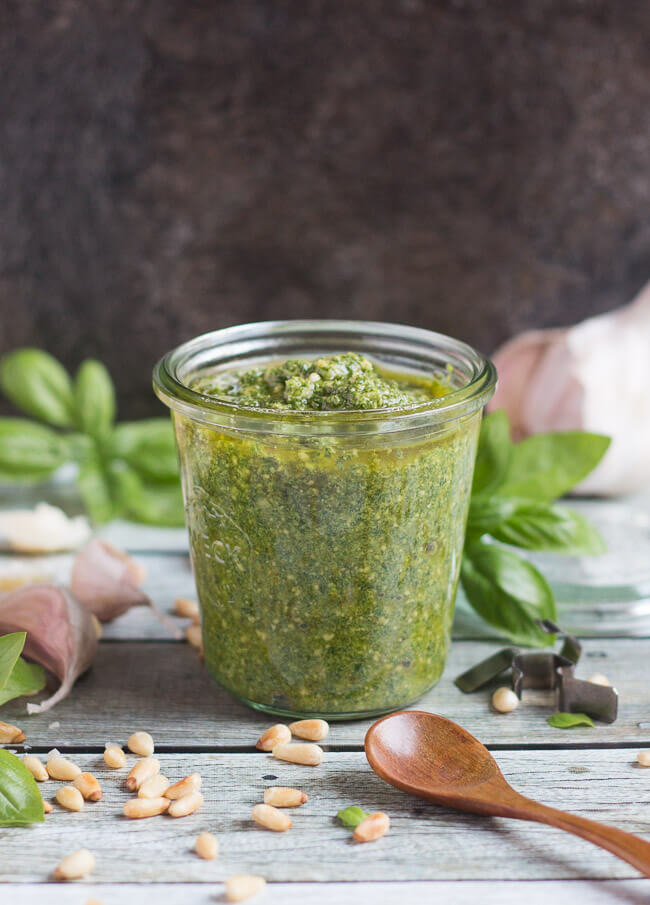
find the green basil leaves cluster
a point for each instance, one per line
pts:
(127, 469)
(513, 503)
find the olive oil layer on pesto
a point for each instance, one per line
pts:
(326, 569)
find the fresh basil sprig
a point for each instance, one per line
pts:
(17, 677)
(127, 469)
(21, 802)
(513, 493)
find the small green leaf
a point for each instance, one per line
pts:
(95, 490)
(29, 451)
(148, 446)
(508, 592)
(352, 816)
(11, 647)
(37, 383)
(21, 802)
(26, 678)
(94, 396)
(546, 466)
(152, 503)
(569, 720)
(494, 452)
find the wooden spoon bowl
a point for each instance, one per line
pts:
(431, 757)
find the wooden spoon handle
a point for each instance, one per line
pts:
(630, 848)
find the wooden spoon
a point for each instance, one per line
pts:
(431, 757)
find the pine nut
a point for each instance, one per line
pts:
(207, 846)
(70, 798)
(94, 902)
(373, 827)
(36, 767)
(183, 787)
(284, 797)
(504, 700)
(142, 771)
(75, 866)
(10, 734)
(47, 807)
(114, 757)
(187, 609)
(276, 735)
(643, 758)
(306, 753)
(599, 679)
(88, 786)
(271, 818)
(243, 886)
(182, 807)
(314, 730)
(194, 636)
(154, 787)
(141, 743)
(137, 808)
(61, 768)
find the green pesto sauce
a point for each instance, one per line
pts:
(326, 567)
(344, 382)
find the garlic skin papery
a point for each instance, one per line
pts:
(45, 529)
(595, 377)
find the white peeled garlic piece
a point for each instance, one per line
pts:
(45, 529)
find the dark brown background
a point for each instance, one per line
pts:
(169, 167)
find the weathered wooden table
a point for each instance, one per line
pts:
(142, 679)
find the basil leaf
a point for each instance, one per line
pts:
(20, 800)
(154, 504)
(546, 466)
(26, 678)
(29, 451)
(95, 490)
(494, 452)
(37, 383)
(508, 592)
(10, 649)
(569, 720)
(352, 816)
(487, 512)
(94, 396)
(148, 446)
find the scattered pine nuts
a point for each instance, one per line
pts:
(70, 798)
(10, 734)
(61, 768)
(142, 771)
(182, 807)
(75, 866)
(599, 679)
(187, 609)
(314, 730)
(643, 757)
(141, 743)
(183, 787)
(271, 818)
(114, 757)
(36, 767)
(207, 846)
(240, 887)
(276, 735)
(88, 786)
(154, 787)
(47, 807)
(504, 700)
(284, 797)
(306, 753)
(137, 808)
(194, 636)
(373, 827)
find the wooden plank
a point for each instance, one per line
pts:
(426, 842)
(164, 688)
(576, 892)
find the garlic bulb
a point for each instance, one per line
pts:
(594, 376)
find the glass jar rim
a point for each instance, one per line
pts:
(388, 338)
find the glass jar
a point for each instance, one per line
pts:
(326, 545)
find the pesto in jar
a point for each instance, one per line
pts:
(326, 566)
